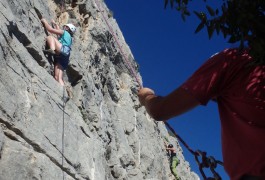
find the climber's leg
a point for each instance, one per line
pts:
(174, 164)
(58, 73)
(53, 44)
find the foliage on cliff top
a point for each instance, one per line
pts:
(238, 20)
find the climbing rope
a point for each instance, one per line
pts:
(206, 162)
(64, 102)
(127, 62)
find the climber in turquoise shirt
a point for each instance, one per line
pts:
(65, 39)
(60, 47)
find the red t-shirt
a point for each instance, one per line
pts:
(240, 93)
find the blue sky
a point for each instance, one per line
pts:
(168, 52)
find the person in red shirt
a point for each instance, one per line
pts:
(238, 87)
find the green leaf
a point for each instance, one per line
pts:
(179, 2)
(199, 15)
(165, 4)
(217, 25)
(210, 10)
(183, 16)
(186, 12)
(233, 39)
(224, 9)
(241, 46)
(225, 34)
(217, 11)
(172, 3)
(210, 30)
(185, 2)
(200, 26)
(178, 8)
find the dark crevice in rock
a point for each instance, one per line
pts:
(16, 73)
(4, 47)
(3, 50)
(3, 5)
(4, 16)
(36, 147)
(62, 105)
(40, 17)
(84, 114)
(103, 79)
(1, 149)
(11, 136)
(22, 38)
(95, 62)
(137, 106)
(82, 129)
(77, 167)
(14, 30)
(38, 13)
(11, 127)
(53, 144)
(36, 55)
(109, 136)
(84, 12)
(118, 63)
(67, 160)
(21, 61)
(74, 76)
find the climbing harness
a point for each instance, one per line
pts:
(206, 162)
(119, 46)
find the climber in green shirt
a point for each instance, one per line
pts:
(174, 160)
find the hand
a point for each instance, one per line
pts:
(165, 144)
(54, 24)
(43, 20)
(143, 93)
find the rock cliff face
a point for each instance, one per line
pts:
(101, 133)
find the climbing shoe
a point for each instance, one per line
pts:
(69, 92)
(50, 51)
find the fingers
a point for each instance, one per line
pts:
(43, 21)
(54, 23)
(143, 93)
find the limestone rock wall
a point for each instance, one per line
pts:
(101, 133)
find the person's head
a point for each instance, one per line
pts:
(170, 146)
(70, 28)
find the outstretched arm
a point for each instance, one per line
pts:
(50, 28)
(164, 108)
(171, 149)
